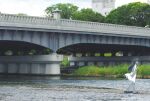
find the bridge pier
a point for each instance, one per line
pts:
(81, 63)
(53, 68)
(36, 65)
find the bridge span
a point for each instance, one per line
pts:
(65, 37)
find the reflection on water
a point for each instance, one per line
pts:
(56, 88)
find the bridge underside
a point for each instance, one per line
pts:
(94, 54)
(22, 48)
(106, 48)
(19, 45)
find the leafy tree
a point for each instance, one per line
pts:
(21, 14)
(88, 15)
(135, 14)
(66, 10)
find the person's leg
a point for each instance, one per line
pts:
(131, 87)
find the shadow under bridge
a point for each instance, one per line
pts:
(104, 54)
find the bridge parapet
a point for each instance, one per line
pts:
(70, 25)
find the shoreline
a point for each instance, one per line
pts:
(106, 76)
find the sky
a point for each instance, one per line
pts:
(36, 7)
(121, 2)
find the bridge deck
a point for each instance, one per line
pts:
(69, 26)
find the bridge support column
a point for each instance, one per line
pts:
(53, 69)
(81, 64)
(90, 63)
(12, 68)
(38, 65)
(3, 68)
(100, 63)
(24, 68)
(72, 64)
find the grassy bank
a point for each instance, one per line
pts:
(144, 71)
(111, 71)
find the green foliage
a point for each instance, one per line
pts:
(87, 71)
(108, 54)
(32, 52)
(65, 62)
(67, 10)
(114, 70)
(88, 15)
(47, 51)
(144, 70)
(97, 54)
(118, 70)
(135, 14)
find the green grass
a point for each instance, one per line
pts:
(144, 70)
(65, 62)
(118, 70)
(87, 71)
(107, 54)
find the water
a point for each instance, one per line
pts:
(46, 88)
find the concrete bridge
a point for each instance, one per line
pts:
(66, 37)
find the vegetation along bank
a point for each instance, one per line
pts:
(116, 71)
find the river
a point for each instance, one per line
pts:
(56, 88)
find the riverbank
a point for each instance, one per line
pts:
(117, 71)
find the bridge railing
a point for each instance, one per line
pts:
(72, 25)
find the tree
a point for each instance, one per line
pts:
(135, 14)
(67, 10)
(88, 15)
(21, 14)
